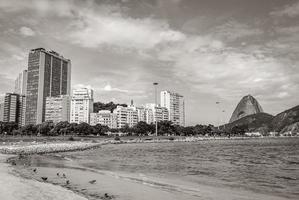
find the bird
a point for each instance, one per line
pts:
(67, 182)
(44, 178)
(93, 181)
(57, 174)
(34, 170)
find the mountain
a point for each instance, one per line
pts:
(293, 128)
(253, 122)
(285, 121)
(247, 106)
(285, 118)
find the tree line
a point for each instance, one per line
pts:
(140, 129)
(84, 129)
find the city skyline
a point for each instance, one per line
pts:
(220, 60)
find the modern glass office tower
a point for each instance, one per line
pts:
(49, 75)
(175, 104)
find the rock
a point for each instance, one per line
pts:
(247, 106)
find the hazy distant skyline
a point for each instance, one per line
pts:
(206, 50)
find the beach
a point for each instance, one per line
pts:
(14, 187)
(107, 172)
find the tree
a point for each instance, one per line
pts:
(61, 128)
(239, 130)
(8, 127)
(84, 129)
(143, 128)
(29, 129)
(166, 127)
(97, 106)
(45, 128)
(100, 129)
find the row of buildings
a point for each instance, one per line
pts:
(79, 108)
(42, 93)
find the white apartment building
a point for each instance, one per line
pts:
(150, 113)
(126, 116)
(81, 105)
(175, 104)
(157, 113)
(104, 117)
(57, 109)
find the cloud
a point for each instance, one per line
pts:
(109, 88)
(79, 86)
(42, 7)
(233, 30)
(26, 31)
(228, 72)
(111, 27)
(291, 10)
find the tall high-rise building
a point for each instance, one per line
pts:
(58, 109)
(12, 108)
(81, 105)
(175, 104)
(49, 75)
(22, 110)
(1, 108)
(21, 83)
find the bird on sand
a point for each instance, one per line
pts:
(34, 170)
(57, 174)
(93, 181)
(44, 178)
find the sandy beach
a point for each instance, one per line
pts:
(111, 185)
(14, 187)
(66, 179)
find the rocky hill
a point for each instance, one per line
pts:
(253, 122)
(285, 118)
(291, 128)
(285, 121)
(247, 106)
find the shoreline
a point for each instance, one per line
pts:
(79, 178)
(15, 187)
(125, 186)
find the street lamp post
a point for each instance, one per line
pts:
(218, 104)
(223, 111)
(155, 86)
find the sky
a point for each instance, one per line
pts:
(207, 50)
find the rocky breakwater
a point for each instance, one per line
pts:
(47, 147)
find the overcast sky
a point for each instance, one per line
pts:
(206, 50)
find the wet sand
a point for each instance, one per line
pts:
(112, 185)
(14, 187)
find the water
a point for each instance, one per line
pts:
(260, 165)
